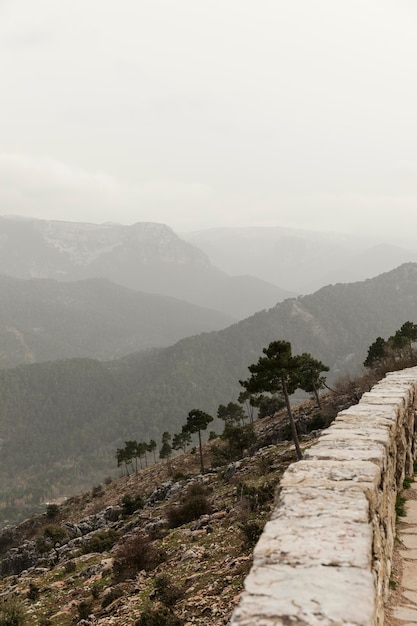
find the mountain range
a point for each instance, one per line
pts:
(145, 257)
(46, 319)
(61, 421)
(300, 260)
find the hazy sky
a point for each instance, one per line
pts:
(202, 113)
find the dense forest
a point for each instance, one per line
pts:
(43, 320)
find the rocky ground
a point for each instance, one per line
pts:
(128, 553)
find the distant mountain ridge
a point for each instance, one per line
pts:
(146, 257)
(47, 320)
(300, 260)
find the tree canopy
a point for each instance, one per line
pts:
(279, 372)
(198, 421)
(384, 354)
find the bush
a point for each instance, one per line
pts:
(238, 439)
(97, 491)
(52, 511)
(159, 616)
(12, 613)
(54, 533)
(167, 591)
(251, 530)
(136, 554)
(193, 507)
(84, 609)
(113, 594)
(130, 505)
(70, 567)
(257, 496)
(33, 592)
(318, 422)
(178, 475)
(101, 541)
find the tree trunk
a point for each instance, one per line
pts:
(292, 422)
(201, 452)
(316, 393)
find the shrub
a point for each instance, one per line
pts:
(251, 530)
(136, 554)
(167, 591)
(130, 505)
(195, 489)
(97, 491)
(318, 422)
(52, 511)
(238, 439)
(12, 613)
(101, 541)
(178, 475)
(257, 496)
(113, 594)
(190, 510)
(84, 609)
(70, 567)
(400, 506)
(54, 533)
(33, 592)
(158, 616)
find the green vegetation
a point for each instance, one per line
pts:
(12, 613)
(397, 352)
(101, 541)
(47, 320)
(279, 372)
(167, 591)
(136, 554)
(130, 504)
(400, 506)
(192, 505)
(197, 421)
(158, 616)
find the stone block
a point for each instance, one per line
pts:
(280, 595)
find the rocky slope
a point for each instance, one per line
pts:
(125, 552)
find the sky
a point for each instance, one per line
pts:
(211, 113)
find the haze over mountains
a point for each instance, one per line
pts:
(300, 260)
(146, 256)
(44, 319)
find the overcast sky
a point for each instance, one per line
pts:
(204, 113)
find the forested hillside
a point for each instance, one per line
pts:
(62, 422)
(43, 320)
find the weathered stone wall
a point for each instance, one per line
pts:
(324, 558)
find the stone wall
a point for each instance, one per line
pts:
(324, 558)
